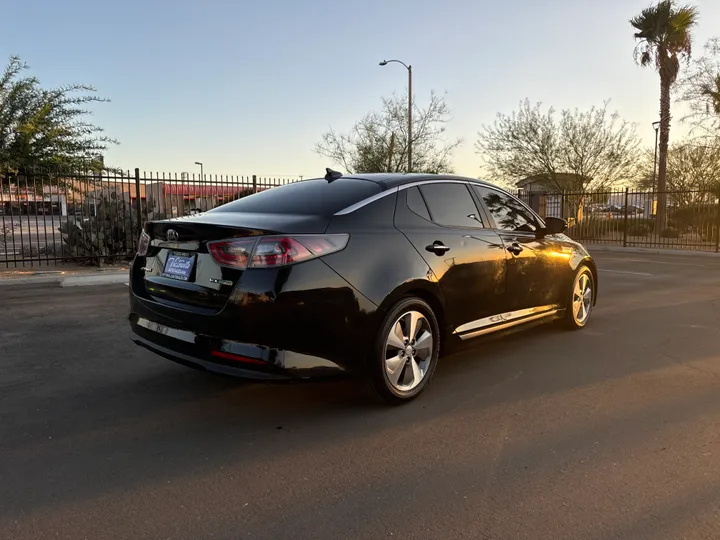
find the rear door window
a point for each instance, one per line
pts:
(416, 203)
(451, 205)
(310, 197)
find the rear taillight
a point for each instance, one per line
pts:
(283, 250)
(143, 244)
(279, 252)
(273, 251)
(235, 253)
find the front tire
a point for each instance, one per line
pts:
(406, 352)
(579, 305)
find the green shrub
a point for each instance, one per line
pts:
(7, 231)
(111, 233)
(590, 228)
(700, 218)
(640, 227)
(709, 235)
(697, 216)
(5, 234)
(57, 249)
(670, 232)
(586, 229)
(30, 251)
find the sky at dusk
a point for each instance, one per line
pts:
(249, 87)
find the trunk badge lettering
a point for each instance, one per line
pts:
(221, 281)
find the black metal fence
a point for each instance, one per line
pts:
(631, 219)
(51, 218)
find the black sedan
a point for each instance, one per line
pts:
(371, 274)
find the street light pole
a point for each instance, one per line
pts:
(202, 176)
(409, 119)
(409, 69)
(656, 126)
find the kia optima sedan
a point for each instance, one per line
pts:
(367, 274)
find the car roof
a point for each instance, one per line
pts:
(391, 180)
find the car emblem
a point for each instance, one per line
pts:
(172, 235)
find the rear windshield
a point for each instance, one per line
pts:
(305, 197)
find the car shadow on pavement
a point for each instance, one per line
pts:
(148, 420)
(201, 439)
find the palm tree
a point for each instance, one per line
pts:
(664, 34)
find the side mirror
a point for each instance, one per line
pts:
(554, 225)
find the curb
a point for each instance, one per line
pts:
(594, 248)
(82, 281)
(70, 281)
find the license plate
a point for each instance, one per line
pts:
(179, 266)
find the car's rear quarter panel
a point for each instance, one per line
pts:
(379, 261)
(307, 308)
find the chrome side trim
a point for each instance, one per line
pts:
(182, 335)
(505, 326)
(438, 181)
(396, 189)
(180, 246)
(487, 321)
(364, 202)
(505, 320)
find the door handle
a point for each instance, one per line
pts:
(437, 247)
(515, 248)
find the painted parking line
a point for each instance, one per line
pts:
(652, 261)
(625, 272)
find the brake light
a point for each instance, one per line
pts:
(279, 252)
(284, 250)
(143, 244)
(273, 251)
(321, 245)
(235, 253)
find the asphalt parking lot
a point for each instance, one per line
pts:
(608, 433)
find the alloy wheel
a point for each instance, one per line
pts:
(408, 351)
(582, 299)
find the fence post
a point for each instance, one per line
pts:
(717, 226)
(562, 204)
(137, 200)
(254, 183)
(625, 220)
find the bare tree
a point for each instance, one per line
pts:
(579, 152)
(379, 142)
(700, 91)
(693, 174)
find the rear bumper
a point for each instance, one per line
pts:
(302, 321)
(228, 357)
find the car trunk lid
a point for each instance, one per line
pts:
(179, 271)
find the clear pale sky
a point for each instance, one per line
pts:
(249, 87)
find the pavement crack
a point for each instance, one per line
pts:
(689, 365)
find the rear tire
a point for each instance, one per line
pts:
(405, 352)
(580, 300)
